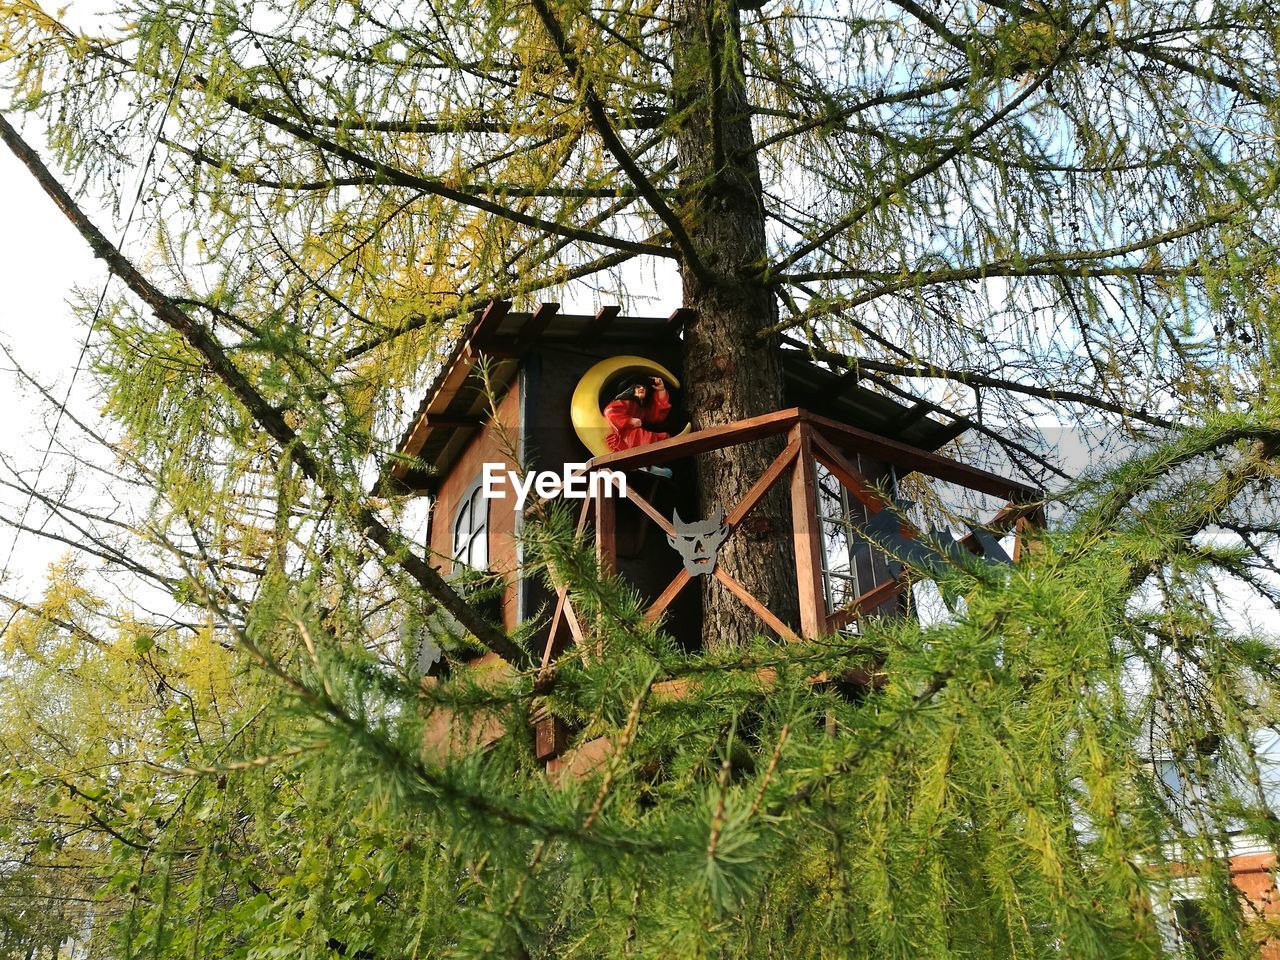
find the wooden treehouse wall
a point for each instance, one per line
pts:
(490, 445)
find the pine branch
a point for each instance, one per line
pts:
(641, 119)
(934, 23)
(600, 119)
(479, 300)
(1250, 92)
(386, 173)
(1051, 263)
(74, 629)
(1150, 470)
(247, 176)
(1068, 264)
(394, 547)
(838, 117)
(907, 178)
(973, 378)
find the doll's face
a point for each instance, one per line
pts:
(640, 392)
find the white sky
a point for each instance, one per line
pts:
(42, 259)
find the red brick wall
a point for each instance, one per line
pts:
(1254, 876)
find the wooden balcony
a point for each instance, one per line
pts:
(809, 440)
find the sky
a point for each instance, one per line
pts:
(42, 261)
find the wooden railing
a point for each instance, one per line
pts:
(810, 440)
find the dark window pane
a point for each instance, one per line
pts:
(1197, 935)
(470, 529)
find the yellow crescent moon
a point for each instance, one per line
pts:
(584, 408)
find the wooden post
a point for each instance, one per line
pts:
(806, 530)
(1023, 542)
(550, 735)
(606, 545)
(606, 532)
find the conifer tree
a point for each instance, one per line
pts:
(906, 191)
(1063, 208)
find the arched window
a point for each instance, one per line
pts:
(471, 529)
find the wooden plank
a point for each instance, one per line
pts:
(845, 382)
(489, 319)
(551, 732)
(903, 455)
(571, 618)
(659, 606)
(1033, 521)
(550, 736)
(536, 325)
(551, 650)
(700, 441)
(600, 323)
(455, 371)
(459, 369)
(762, 486)
(427, 421)
(585, 514)
(1011, 513)
(582, 761)
(865, 601)
(910, 418)
(1008, 517)
(806, 531)
(847, 474)
(439, 422)
(754, 605)
(679, 317)
(650, 511)
(563, 615)
(606, 533)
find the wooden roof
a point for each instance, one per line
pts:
(487, 358)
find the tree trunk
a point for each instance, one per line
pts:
(730, 374)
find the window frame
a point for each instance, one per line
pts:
(842, 538)
(473, 509)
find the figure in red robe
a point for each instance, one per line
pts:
(642, 404)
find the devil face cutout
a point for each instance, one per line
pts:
(699, 542)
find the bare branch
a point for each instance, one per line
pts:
(385, 173)
(397, 551)
(595, 110)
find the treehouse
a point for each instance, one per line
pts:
(530, 391)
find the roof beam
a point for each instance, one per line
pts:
(536, 325)
(600, 323)
(679, 317)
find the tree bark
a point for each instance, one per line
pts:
(730, 373)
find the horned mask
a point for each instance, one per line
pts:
(699, 542)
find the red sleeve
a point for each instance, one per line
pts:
(656, 408)
(619, 414)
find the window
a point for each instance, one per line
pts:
(851, 564)
(839, 520)
(847, 556)
(471, 529)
